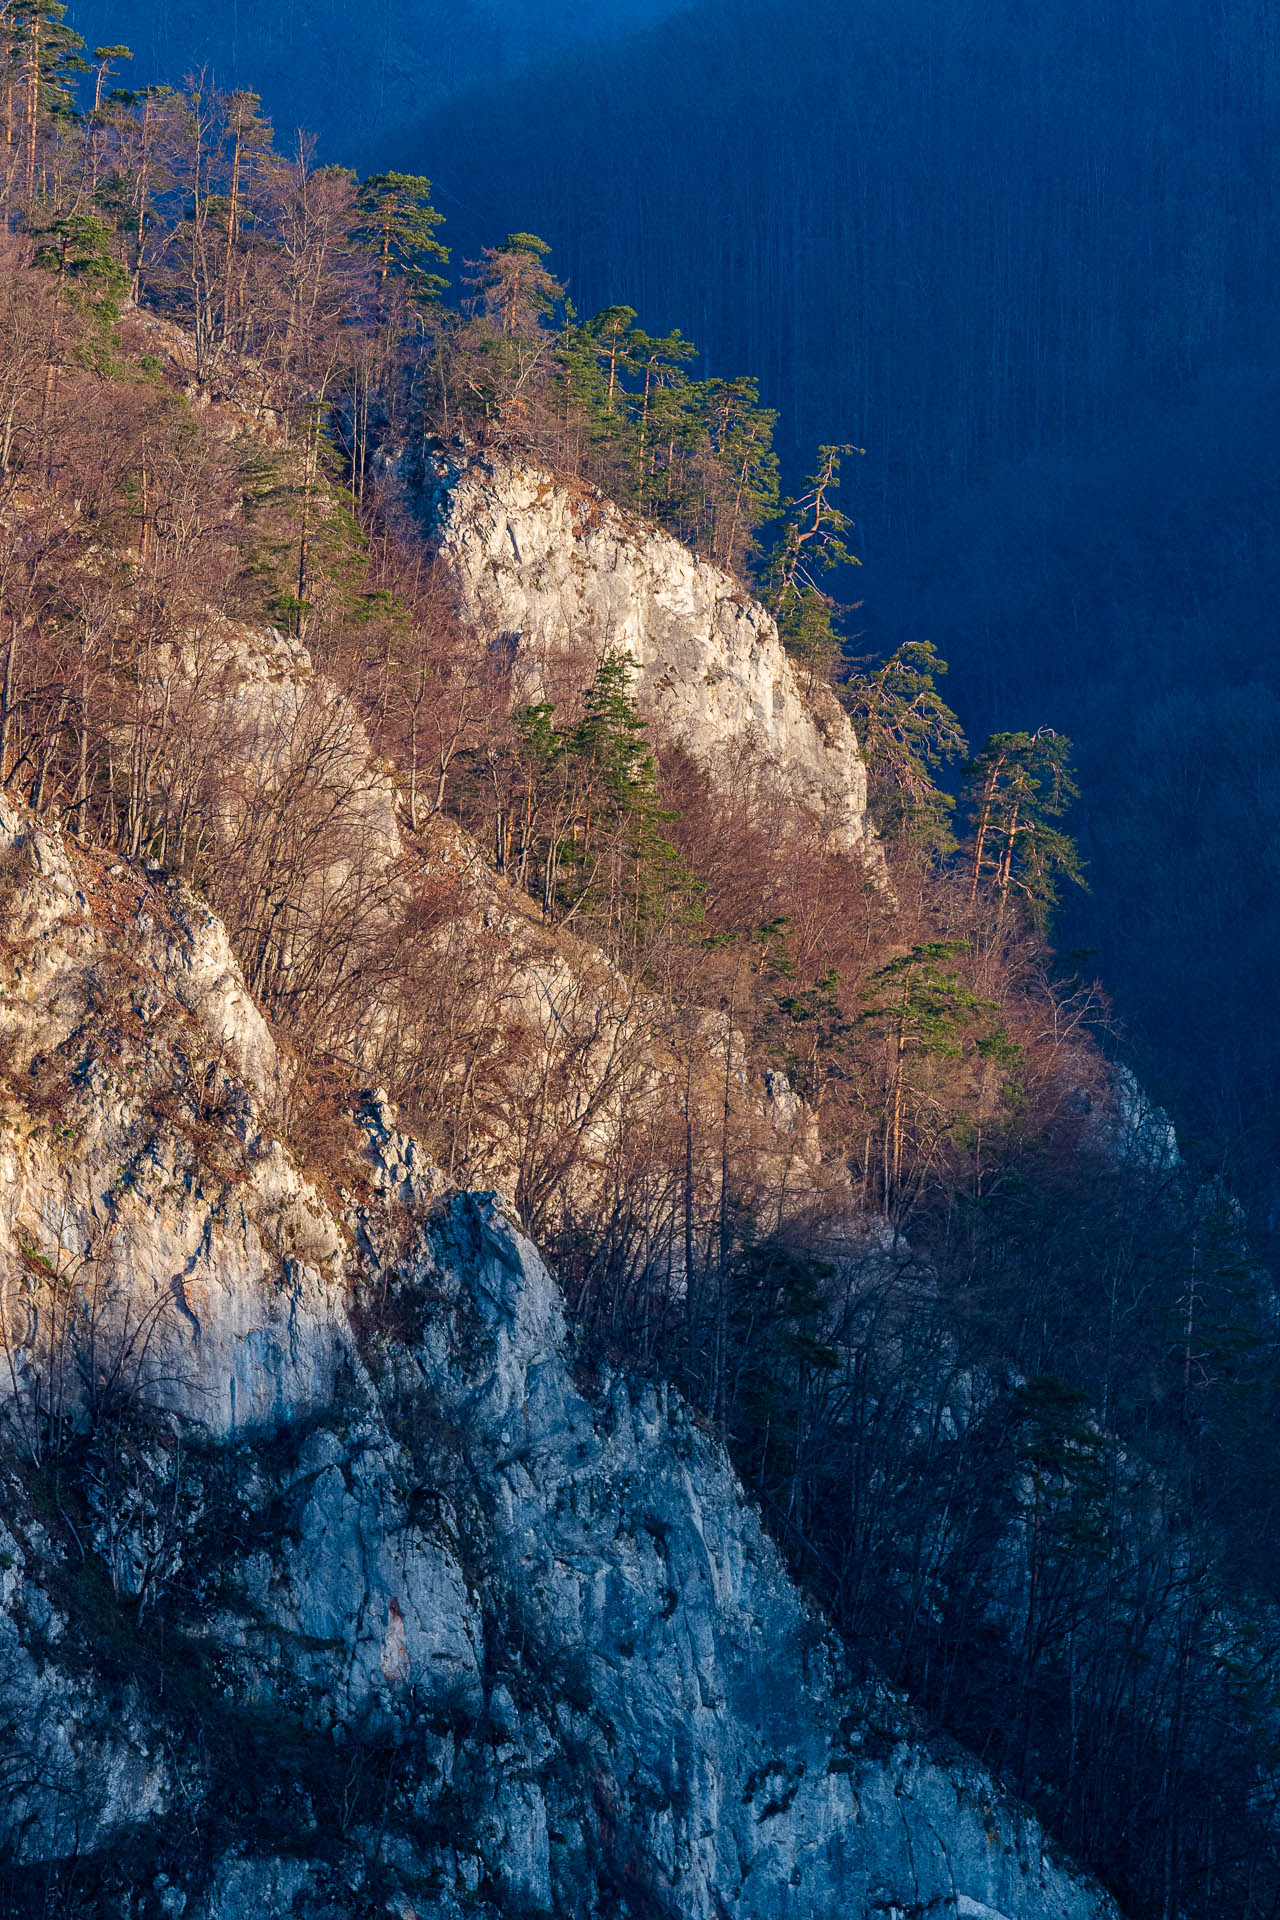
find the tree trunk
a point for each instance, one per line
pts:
(6, 699)
(33, 104)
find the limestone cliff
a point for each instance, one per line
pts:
(554, 571)
(331, 1583)
(275, 774)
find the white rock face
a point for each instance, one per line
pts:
(134, 1157)
(424, 1621)
(560, 574)
(669, 1636)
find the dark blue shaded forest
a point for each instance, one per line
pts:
(352, 74)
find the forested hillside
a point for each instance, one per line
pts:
(1029, 266)
(350, 77)
(820, 1132)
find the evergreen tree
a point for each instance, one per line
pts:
(659, 365)
(612, 333)
(80, 250)
(627, 867)
(815, 1027)
(42, 59)
(811, 544)
(591, 356)
(779, 1354)
(1016, 788)
(741, 485)
(924, 1012)
(584, 809)
(105, 115)
(102, 67)
(399, 224)
(503, 356)
(906, 732)
(513, 287)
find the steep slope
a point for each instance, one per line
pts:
(552, 572)
(913, 249)
(306, 820)
(331, 1585)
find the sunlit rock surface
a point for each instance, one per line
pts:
(559, 574)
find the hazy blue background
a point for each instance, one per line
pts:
(352, 70)
(1030, 259)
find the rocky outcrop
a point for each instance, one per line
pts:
(134, 1163)
(560, 574)
(331, 1583)
(279, 776)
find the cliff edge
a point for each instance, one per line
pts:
(553, 571)
(331, 1582)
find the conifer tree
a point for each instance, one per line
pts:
(103, 64)
(79, 248)
(641, 869)
(1016, 788)
(42, 59)
(513, 286)
(924, 1011)
(586, 810)
(399, 225)
(742, 484)
(596, 411)
(503, 359)
(906, 732)
(612, 333)
(659, 364)
(812, 543)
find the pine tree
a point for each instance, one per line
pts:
(509, 362)
(591, 357)
(80, 250)
(812, 543)
(42, 59)
(906, 732)
(659, 365)
(612, 333)
(741, 487)
(512, 285)
(925, 1012)
(1016, 787)
(398, 224)
(584, 809)
(642, 872)
(103, 66)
